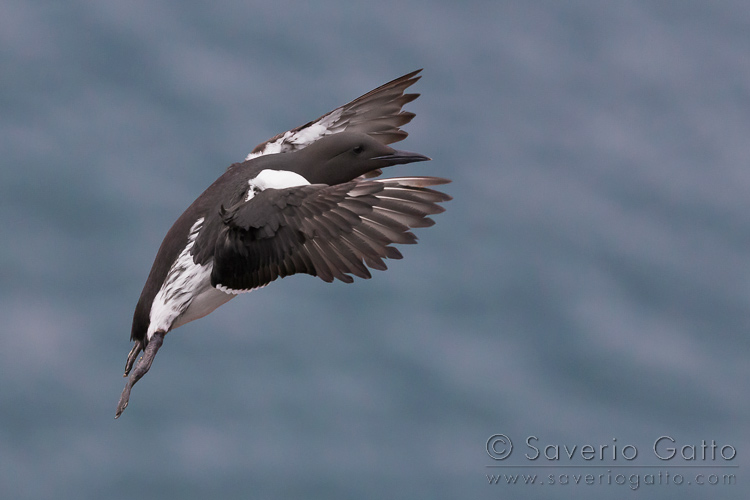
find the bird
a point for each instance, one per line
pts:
(308, 200)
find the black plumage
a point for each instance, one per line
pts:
(326, 231)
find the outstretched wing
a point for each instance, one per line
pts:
(377, 113)
(326, 231)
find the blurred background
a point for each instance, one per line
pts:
(589, 282)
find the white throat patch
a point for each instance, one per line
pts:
(274, 179)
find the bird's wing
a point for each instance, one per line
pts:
(377, 113)
(326, 231)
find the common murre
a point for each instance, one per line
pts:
(315, 209)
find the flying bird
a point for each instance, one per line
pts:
(305, 201)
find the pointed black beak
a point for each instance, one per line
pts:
(398, 157)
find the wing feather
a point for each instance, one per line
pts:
(333, 232)
(377, 113)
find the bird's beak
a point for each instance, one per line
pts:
(398, 157)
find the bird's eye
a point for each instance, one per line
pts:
(358, 149)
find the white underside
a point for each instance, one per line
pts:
(204, 302)
(187, 293)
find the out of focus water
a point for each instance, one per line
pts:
(589, 284)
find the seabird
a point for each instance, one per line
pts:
(305, 201)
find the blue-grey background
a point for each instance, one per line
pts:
(590, 281)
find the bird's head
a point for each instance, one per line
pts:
(344, 156)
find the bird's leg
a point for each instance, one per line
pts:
(141, 369)
(134, 352)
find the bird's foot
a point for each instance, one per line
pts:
(141, 369)
(134, 352)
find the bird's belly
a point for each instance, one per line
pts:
(204, 302)
(186, 293)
